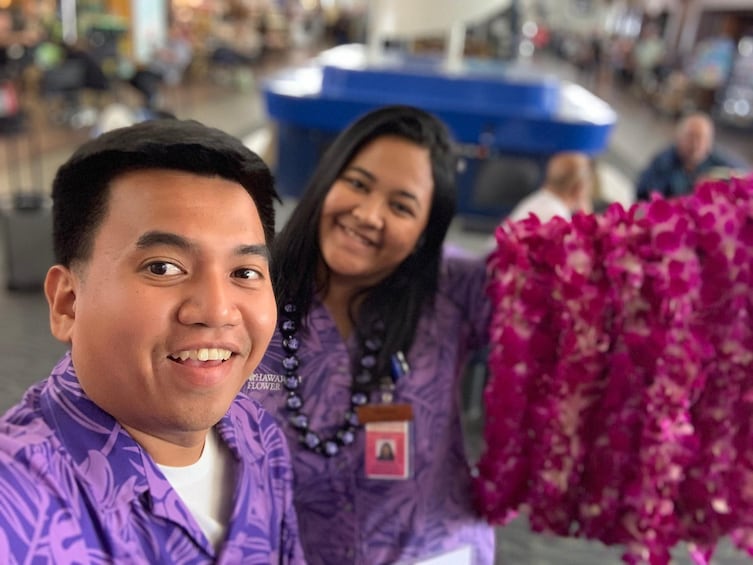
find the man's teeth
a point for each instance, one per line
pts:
(211, 354)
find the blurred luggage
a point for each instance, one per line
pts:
(26, 215)
(9, 107)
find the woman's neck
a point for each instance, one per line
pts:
(338, 302)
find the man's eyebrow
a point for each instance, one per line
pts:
(155, 238)
(260, 249)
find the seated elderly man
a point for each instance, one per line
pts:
(567, 189)
(675, 170)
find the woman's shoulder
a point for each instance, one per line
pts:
(463, 276)
(459, 263)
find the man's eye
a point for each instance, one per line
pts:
(163, 268)
(248, 274)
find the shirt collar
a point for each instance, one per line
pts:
(89, 434)
(83, 427)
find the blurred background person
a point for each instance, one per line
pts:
(166, 67)
(568, 188)
(648, 55)
(675, 170)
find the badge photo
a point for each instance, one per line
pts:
(388, 450)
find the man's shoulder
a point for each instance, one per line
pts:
(719, 158)
(667, 157)
(26, 491)
(29, 449)
(22, 426)
(40, 505)
(17, 468)
(526, 205)
(22, 502)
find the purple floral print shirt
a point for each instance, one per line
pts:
(345, 517)
(76, 488)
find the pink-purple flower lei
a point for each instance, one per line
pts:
(620, 400)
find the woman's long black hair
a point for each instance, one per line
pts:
(398, 300)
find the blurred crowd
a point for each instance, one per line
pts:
(73, 79)
(93, 81)
(672, 82)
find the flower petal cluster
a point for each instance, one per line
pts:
(620, 400)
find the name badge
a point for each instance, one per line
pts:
(388, 429)
(388, 450)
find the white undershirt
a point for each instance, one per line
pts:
(544, 203)
(206, 487)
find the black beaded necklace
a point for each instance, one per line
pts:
(360, 388)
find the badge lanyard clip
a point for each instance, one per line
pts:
(398, 369)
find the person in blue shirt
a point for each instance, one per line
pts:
(675, 170)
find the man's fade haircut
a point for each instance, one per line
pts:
(81, 188)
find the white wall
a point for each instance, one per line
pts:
(566, 15)
(413, 18)
(149, 27)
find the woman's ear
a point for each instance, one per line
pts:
(60, 288)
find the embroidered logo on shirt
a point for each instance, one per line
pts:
(265, 381)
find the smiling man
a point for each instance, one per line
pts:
(139, 448)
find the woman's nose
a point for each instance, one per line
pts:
(370, 212)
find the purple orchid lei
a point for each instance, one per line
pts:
(620, 400)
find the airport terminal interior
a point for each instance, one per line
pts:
(71, 70)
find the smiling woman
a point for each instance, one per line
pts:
(163, 291)
(375, 212)
(375, 323)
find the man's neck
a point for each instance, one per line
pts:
(177, 450)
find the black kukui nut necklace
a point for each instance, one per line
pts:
(346, 434)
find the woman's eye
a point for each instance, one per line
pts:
(163, 268)
(402, 209)
(355, 183)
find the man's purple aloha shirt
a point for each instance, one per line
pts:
(76, 488)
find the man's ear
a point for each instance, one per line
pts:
(60, 288)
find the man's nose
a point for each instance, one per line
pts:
(211, 301)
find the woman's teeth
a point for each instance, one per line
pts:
(357, 236)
